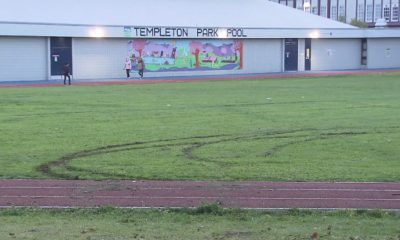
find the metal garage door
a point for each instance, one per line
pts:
(23, 58)
(99, 58)
(335, 54)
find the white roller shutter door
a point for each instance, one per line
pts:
(23, 58)
(99, 58)
(335, 54)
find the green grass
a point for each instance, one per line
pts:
(303, 129)
(118, 224)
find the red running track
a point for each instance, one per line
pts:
(156, 194)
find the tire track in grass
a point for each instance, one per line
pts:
(62, 169)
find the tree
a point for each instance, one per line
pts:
(239, 48)
(139, 45)
(342, 19)
(195, 48)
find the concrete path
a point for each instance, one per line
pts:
(144, 194)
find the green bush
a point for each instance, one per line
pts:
(358, 23)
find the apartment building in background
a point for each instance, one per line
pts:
(368, 11)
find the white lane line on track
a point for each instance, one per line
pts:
(203, 183)
(239, 198)
(246, 208)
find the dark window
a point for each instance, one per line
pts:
(386, 13)
(364, 51)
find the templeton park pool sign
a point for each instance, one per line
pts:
(184, 32)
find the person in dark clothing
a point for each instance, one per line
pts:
(66, 74)
(140, 67)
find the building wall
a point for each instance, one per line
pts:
(335, 54)
(23, 58)
(384, 53)
(104, 58)
(27, 58)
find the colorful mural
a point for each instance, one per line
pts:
(187, 55)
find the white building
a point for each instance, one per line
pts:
(179, 38)
(368, 11)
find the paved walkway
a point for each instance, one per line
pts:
(152, 80)
(144, 194)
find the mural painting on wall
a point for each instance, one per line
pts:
(187, 55)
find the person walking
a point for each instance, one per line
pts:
(128, 67)
(140, 67)
(66, 74)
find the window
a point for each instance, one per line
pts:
(360, 12)
(342, 12)
(368, 17)
(386, 12)
(378, 12)
(314, 10)
(395, 13)
(323, 11)
(364, 51)
(299, 5)
(334, 13)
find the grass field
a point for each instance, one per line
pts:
(302, 129)
(204, 223)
